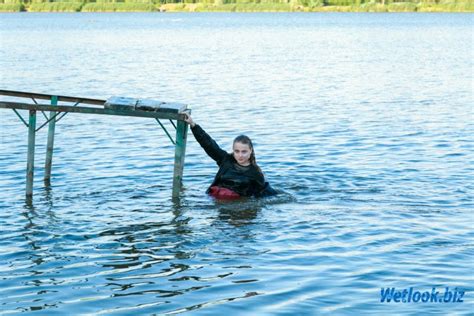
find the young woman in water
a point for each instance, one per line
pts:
(238, 175)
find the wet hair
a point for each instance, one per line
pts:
(244, 139)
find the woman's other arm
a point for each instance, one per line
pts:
(263, 188)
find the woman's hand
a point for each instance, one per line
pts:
(189, 120)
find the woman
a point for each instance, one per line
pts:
(238, 175)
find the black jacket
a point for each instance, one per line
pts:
(244, 180)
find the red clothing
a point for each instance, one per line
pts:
(223, 193)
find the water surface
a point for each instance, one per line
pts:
(364, 122)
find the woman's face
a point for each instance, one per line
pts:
(242, 153)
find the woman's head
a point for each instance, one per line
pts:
(243, 152)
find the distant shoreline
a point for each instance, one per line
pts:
(234, 7)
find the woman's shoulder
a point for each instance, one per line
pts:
(257, 171)
(229, 158)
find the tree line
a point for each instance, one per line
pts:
(237, 5)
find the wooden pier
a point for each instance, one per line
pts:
(58, 106)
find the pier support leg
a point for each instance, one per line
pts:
(180, 152)
(31, 155)
(50, 145)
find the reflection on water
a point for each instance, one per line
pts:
(361, 121)
(237, 217)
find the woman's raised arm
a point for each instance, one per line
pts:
(207, 143)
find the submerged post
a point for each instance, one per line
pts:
(50, 145)
(31, 154)
(179, 154)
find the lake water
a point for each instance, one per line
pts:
(364, 122)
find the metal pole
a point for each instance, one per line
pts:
(31, 154)
(179, 154)
(50, 145)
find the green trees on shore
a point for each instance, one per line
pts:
(237, 5)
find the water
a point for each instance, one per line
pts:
(363, 121)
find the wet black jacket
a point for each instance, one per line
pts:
(244, 180)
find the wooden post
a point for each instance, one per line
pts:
(50, 145)
(179, 154)
(31, 154)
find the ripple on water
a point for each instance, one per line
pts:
(374, 174)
